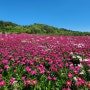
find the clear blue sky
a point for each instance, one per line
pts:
(69, 14)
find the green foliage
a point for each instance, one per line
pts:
(9, 27)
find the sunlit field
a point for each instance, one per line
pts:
(38, 62)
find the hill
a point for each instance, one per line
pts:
(36, 28)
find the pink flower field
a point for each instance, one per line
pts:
(38, 62)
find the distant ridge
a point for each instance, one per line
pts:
(36, 28)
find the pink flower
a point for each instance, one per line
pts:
(6, 67)
(66, 64)
(75, 71)
(28, 69)
(28, 81)
(71, 67)
(68, 59)
(22, 63)
(86, 60)
(34, 82)
(49, 78)
(0, 79)
(68, 83)
(33, 72)
(12, 81)
(77, 84)
(77, 68)
(2, 83)
(5, 61)
(25, 84)
(15, 70)
(70, 75)
(71, 53)
(83, 82)
(42, 71)
(23, 77)
(79, 79)
(0, 75)
(60, 65)
(48, 72)
(54, 78)
(88, 63)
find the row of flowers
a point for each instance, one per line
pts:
(36, 62)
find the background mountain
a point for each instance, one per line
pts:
(36, 28)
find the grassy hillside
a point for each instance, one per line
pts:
(9, 27)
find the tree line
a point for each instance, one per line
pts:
(36, 28)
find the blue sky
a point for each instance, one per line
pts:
(69, 14)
